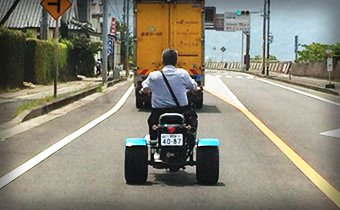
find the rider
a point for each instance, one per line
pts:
(162, 101)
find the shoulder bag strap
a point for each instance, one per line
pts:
(169, 87)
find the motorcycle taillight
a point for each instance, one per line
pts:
(171, 129)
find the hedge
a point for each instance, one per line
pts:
(32, 60)
(40, 61)
(11, 58)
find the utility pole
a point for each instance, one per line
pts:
(242, 48)
(127, 38)
(104, 39)
(264, 37)
(44, 25)
(268, 43)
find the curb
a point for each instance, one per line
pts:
(307, 86)
(46, 108)
(324, 90)
(51, 106)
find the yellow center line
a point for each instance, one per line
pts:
(320, 182)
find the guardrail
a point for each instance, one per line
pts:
(282, 67)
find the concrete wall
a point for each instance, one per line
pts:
(317, 70)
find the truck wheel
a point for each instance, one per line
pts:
(139, 103)
(147, 103)
(207, 165)
(136, 165)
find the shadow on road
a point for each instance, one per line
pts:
(208, 109)
(178, 179)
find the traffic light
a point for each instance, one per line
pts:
(243, 12)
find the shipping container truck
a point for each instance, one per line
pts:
(168, 24)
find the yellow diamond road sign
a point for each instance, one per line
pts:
(56, 7)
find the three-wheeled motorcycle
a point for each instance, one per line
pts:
(174, 149)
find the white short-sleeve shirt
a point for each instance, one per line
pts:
(179, 80)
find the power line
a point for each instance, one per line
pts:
(116, 12)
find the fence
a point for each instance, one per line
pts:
(282, 67)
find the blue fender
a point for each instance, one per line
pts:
(208, 142)
(135, 142)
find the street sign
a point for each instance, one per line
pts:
(110, 45)
(234, 22)
(223, 49)
(271, 38)
(328, 52)
(329, 64)
(56, 7)
(113, 27)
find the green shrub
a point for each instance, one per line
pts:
(11, 58)
(40, 61)
(29, 33)
(82, 56)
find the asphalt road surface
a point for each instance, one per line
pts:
(88, 172)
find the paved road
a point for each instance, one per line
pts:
(88, 173)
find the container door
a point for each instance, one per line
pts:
(186, 35)
(152, 35)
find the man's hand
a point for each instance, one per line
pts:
(197, 90)
(144, 91)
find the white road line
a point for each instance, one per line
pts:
(238, 77)
(230, 94)
(9, 177)
(300, 92)
(332, 133)
(228, 76)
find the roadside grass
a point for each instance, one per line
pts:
(99, 89)
(33, 104)
(9, 90)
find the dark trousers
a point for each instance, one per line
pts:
(189, 114)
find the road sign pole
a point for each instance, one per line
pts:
(56, 9)
(56, 56)
(329, 69)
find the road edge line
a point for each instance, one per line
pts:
(316, 178)
(23, 168)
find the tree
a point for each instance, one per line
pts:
(316, 52)
(259, 58)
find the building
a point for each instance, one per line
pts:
(83, 18)
(28, 15)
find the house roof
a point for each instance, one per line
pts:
(27, 14)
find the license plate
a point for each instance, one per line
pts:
(175, 139)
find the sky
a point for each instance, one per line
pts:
(311, 20)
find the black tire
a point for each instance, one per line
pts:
(147, 103)
(139, 102)
(136, 165)
(207, 165)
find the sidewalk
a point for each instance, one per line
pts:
(66, 93)
(307, 82)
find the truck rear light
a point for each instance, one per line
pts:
(171, 129)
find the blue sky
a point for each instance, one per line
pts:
(311, 20)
